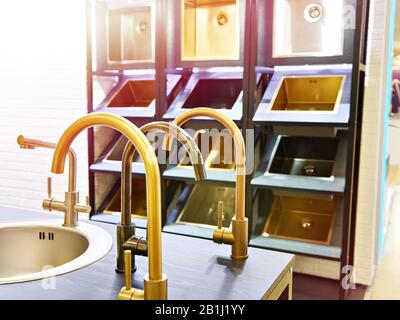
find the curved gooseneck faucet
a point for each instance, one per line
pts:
(126, 229)
(155, 283)
(238, 237)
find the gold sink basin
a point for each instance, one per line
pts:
(222, 155)
(205, 148)
(139, 204)
(42, 249)
(116, 152)
(309, 220)
(302, 94)
(219, 155)
(201, 208)
(130, 34)
(134, 94)
(210, 30)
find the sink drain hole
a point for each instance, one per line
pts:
(46, 236)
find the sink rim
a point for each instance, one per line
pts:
(100, 243)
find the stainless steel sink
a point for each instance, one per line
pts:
(41, 249)
(215, 93)
(313, 157)
(134, 94)
(308, 28)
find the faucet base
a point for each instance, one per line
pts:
(156, 289)
(131, 294)
(71, 215)
(124, 233)
(240, 229)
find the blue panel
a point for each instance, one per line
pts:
(389, 75)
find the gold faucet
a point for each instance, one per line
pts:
(155, 283)
(126, 229)
(238, 236)
(70, 207)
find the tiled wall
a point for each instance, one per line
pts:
(372, 158)
(42, 90)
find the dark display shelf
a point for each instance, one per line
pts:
(305, 104)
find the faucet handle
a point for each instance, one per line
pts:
(87, 201)
(127, 292)
(220, 214)
(128, 269)
(49, 187)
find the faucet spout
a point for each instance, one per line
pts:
(238, 238)
(155, 283)
(27, 143)
(126, 229)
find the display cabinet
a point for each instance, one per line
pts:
(309, 116)
(291, 72)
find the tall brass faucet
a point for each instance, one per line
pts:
(126, 229)
(238, 236)
(70, 206)
(155, 283)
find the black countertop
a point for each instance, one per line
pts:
(196, 270)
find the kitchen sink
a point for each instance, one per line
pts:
(134, 94)
(201, 208)
(41, 249)
(117, 151)
(308, 94)
(222, 155)
(309, 220)
(130, 34)
(301, 156)
(215, 93)
(219, 152)
(210, 30)
(308, 28)
(139, 200)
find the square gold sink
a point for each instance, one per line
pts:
(309, 220)
(201, 207)
(139, 204)
(308, 94)
(215, 93)
(134, 94)
(117, 150)
(205, 147)
(222, 155)
(301, 156)
(130, 34)
(213, 151)
(210, 30)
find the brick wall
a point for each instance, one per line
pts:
(42, 90)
